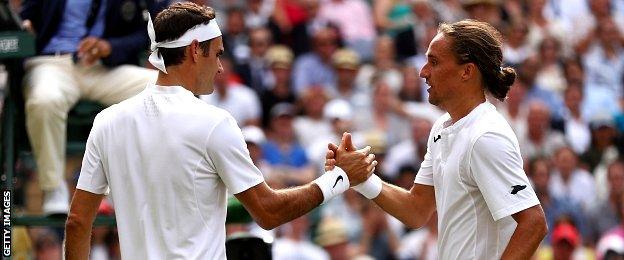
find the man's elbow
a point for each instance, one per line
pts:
(76, 224)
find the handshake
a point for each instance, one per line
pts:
(345, 167)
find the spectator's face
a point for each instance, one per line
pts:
(566, 161)
(516, 94)
(536, 6)
(608, 32)
(562, 250)
(236, 22)
(313, 101)
(441, 72)
(549, 50)
(382, 97)
(599, 8)
(282, 75)
(573, 97)
(574, 73)
(325, 43)
(259, 42)
(345, 77)
(540, 175)
(221, 79)
(517, 34)
(484, 12)
(420, 130)
(538, 118)
(384, 49)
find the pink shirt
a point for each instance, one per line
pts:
(353, 17)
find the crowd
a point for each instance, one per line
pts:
(299, 73)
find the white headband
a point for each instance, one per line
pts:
(201, 32)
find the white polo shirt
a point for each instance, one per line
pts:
(168, 158)
(475, 167)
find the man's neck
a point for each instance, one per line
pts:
(458, 109)
(173, 77)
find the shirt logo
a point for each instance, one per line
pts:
(516, 188)
(340, 178)
(435, 139)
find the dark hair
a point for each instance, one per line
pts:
(174, 21)
(480, 43)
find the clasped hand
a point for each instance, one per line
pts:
(358, 164)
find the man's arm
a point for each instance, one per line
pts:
(530, 231)
(413, 207)
(271, 208)
(82, 212)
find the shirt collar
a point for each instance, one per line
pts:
(470, 117)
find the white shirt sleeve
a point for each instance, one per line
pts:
(425, 173)
(228, 153)
(496, 167)
(92, 177)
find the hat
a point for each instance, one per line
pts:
(567, 232)
(283, 109)
(253, 134)
(612, 243)
(337, 109)
(346, 59)
(330, 232)
(601, 120)
(476, 2)
(279, 56)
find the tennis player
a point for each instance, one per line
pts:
(472, 172)
(169, 158)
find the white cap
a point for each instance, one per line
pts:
(253, 134)
(611, 242)
(338, 109)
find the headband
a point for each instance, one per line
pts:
(201, 32)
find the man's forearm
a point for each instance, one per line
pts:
(413, 207)
(77, 240)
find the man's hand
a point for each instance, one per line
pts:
(358, 164)
(91, 49)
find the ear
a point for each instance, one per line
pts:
(470, 71)
(194, 51)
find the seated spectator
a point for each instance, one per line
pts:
(383, 66)
(421, 243)
(602, 151)
(255, 69)
(294, 243)
(354, 19)
(539, 139)
(551, 72)
(604, 215)
(346, 64)
(339, 115)
(515, 47)
(314, 68)
(616, 234)
(610, 247)
(239, 100)
(82, 51)
(555, 207)
(527, 73)
(279, 89)
(410, 151)
(569, 180)
(311, 123)
(235, 35)
(577, 132)
(282, 150)
(565, 241)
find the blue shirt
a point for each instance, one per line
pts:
(294, 157)
(73, 27)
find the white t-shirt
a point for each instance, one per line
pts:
(168, 159)
(475, 167)
(241, 101)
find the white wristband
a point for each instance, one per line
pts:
(371, 187)
(332, 183)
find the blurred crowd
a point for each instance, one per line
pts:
(299, 73)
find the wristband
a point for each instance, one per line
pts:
(332, 183)
(371, 187)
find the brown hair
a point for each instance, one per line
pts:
(174, 21)
(480, 43)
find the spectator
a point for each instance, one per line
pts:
(412, 89)
(279, 89)
(610, 247)
(484, 10)
(407, 41)
(254, 70)
(83, 50)
(346, 65)
(383, 66)
(295, 244)
(551, 72)
(604, 214)
(410, 151)
(555, 207)
(577, 132)
(283, 152)
(339, 115)
(527, 73)
(314, 68)
(602, 151)
(311, 123)
(354, 20)
(568, 180)
(240, 101)
(540, 27)
(540, 139)
(258, 13)
(515, 47)
(565, 241)
(235, 35)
